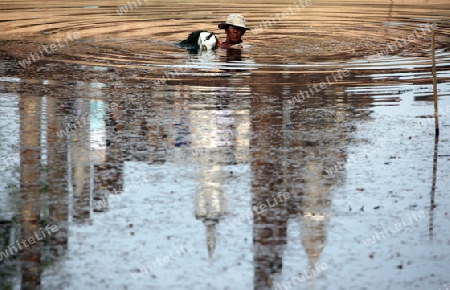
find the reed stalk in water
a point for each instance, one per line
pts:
(433, 56)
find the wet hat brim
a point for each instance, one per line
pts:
(224, 25)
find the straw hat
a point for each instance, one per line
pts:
(235, 20)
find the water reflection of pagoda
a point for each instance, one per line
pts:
(201, 128)
(209, 126)
(210, 138)
(289, 158)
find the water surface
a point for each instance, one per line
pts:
(167, 170)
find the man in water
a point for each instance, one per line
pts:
(234, 28)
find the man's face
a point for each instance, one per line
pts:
(234, 34)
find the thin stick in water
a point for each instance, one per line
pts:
(433, 56)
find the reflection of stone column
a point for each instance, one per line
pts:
(80, 159)
(8, 272)
(137, 123)
(158, 128)
(269, 226)
(114, 159)
(30, 160)
(108, 177)
(58, 174)
(242, 138)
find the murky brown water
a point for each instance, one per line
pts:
(160, 169)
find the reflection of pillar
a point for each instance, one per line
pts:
(30, 189)
(136, 126)
(108, 177)
(242, 133)
(80, 159)
(8, 272)
(226, 129)
(158, 128)
(269, 226)
(58, 174)
(181, 120)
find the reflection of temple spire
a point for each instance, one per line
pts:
(313, 239)
(210, 206)
(211, 237)
(212, 132)
(315, 208)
